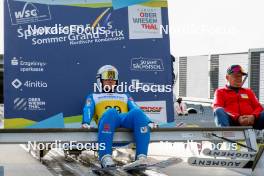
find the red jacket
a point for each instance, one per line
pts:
(236, 104)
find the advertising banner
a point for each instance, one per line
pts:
(156, 110)
(53, 49)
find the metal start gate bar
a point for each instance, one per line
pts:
(22, 136)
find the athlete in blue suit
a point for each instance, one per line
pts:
(113, 110)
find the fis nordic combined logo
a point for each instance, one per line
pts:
(27, 12)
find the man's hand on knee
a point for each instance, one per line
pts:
(251, 120)
(246, 120)
(243, 121)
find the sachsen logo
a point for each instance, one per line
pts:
(151, 109)
(27, 12)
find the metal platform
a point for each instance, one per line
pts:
(16, 161)
(21, 136)
(258, 167)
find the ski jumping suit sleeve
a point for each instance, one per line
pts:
(88, 110)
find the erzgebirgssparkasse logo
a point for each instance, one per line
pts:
(22, 12)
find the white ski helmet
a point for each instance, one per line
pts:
(106, 72)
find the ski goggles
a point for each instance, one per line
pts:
(110, 74)
(235, 69)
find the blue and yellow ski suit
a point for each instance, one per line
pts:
(114, 110)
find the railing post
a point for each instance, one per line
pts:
(251, 139)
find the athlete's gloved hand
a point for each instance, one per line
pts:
(153, 125)
(86, 126)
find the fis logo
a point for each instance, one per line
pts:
(27, 12)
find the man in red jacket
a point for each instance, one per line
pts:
(237, 106)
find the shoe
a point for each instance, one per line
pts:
(107, 161)
(141, 161)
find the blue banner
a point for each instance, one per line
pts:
(53, 51)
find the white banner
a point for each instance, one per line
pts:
(144, 22)
(155, 110)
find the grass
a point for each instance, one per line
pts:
(18, 123)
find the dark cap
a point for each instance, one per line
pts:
(235, 69)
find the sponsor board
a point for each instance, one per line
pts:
(52, 57)
(144, 22)
(155, 110)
